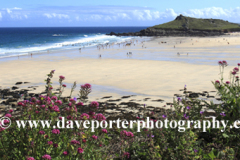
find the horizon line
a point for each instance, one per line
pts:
(72, 26)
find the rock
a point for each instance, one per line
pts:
(12, 100)
(16, 95)
(14, 87)
(14, 104)
(114, 100)
(7, 97)
(170, 32)
(126, 96)
(193, 95)
(111, 103)
(158, 100)
(210, 96)
(31, 94)
(18, 83)
(106, 97)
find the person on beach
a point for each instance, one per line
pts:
(31, 55)
(100, 56)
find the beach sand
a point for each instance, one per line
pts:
(159, 76)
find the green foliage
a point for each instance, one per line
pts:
(198, 24)
(164, 143)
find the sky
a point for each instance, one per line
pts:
(79, 13)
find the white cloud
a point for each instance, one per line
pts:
(214, 12)
(95, 17)
(16, 8)
(115, 13)
(138, 14)
(54, 15)
(8, 10)
(77, 18)
(107, 18)
(123, 16)
(156, 14)
(148, 14)
(168, 13)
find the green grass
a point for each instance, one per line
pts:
(182, 22)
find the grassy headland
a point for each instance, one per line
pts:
(188, 23)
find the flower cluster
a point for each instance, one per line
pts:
(126, 134)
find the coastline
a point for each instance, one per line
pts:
(117, 75)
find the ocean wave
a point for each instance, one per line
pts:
(57, 35)
(68, 44)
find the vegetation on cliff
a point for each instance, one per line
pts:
(188, 23)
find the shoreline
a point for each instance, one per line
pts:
(55, 51)
(117, 74)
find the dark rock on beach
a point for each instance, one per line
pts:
(193, 95)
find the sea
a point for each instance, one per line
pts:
(23, 41)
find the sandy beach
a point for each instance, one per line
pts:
(155, 70)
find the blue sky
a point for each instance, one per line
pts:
(52, 13)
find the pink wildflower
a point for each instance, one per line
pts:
(61, 77)
(217, 81)
(86, 86)
(50, 142)
(80, 104)
(54, 98)
(129, 134)
(59, 102)
(235, 69)
(100, 117)
(80, 150)
(46, 156)
(94, 104)
(220, 62)
(104, 130)
(84, 116)
(65, 153)
(8, 115)
(41, 132)
(224, 63)
(94, 137)
(91, 113)
(56, 131)
(126, 154)
(75, 142)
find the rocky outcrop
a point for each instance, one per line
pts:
(169, 32)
